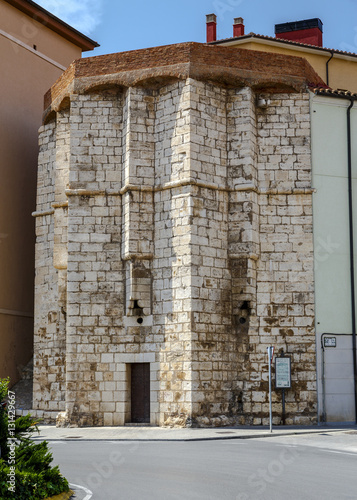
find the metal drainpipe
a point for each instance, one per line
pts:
(323, 383)
(327, 73)
(352, 272)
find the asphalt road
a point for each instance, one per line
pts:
(308, 467)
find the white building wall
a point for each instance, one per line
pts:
(331, 254)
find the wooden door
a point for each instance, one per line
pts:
(140, 393)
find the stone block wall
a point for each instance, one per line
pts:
(49, 358)
(174, 228)
(285, 284)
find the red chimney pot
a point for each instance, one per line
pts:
(308, 31)
(238, 27)
(211, 27)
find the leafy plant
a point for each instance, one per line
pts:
(3, 418)
(33, 475)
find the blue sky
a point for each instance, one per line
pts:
(119, 25)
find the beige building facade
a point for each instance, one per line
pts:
(337, 68)
(35, 48)
(174, 239)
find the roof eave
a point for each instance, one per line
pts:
(280, 41)
(52, 22)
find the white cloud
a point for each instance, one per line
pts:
(83, 15)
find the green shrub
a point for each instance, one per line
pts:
(35, 479)
(32, 485)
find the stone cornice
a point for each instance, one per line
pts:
(189, 182)
(265, 72)
(250, 188)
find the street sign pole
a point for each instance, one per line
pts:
(270, 357)
(283, 405)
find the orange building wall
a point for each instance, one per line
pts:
(25, 77)
(31, 32)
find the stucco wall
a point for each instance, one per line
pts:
(331, 256)
(342, 69)
(26, 76)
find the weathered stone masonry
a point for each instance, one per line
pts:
(174, 228)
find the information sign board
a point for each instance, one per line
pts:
(329, 341)
(283, 372)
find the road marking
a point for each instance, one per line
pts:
(289, 445)
(342, 452)
(317, 448)
(86, 490)
(233, 441)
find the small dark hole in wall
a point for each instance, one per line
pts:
(140, 320)
(136, 309)
(242, 321)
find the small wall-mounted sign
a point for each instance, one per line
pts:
(283, 372)
(329, 341)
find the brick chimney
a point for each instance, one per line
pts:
(308, 31)
(238, 27)
(211, 27)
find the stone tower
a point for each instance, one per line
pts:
(174, 238)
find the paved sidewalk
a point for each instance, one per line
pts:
(134, 433)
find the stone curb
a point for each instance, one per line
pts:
(254, 436)
(203, 438)
(62, 496)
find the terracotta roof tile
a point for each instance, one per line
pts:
(333, 92)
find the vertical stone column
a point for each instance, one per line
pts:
(48, 345)
(137, 200)
(60, 253)
(243, 239)
(63, 152)
(192, 290)
(95, 278)
(213, 344)
(172, 314)
(285, 268)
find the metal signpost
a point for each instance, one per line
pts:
(270, 359)
(283, 377)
